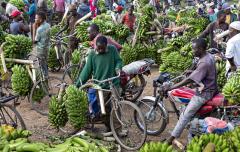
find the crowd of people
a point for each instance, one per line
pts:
(104, 61)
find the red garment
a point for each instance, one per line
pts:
(129, 21)
(93, 8)
(110, 42)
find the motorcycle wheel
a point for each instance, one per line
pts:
(156, 118)
(132, 91)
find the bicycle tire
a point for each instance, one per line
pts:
(33, 99)
(17, 115)
(115, 134)
(139, 91)
(69, 77)
(150, 117)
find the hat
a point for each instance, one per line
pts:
(119, 8)
(226, 6)
(15, 13)
(235, 25)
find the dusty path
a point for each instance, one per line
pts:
(42, 132)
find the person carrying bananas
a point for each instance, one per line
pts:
(205, 76)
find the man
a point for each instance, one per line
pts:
(129, 18)
(102, 63)
(204, 74)
(215, 28)
(32, 11)
(83, 8)
(233, 47)
(59, 8)
(230, 17)
(42, 40)
(9, 8)
(42, 6)
(93, 31)
(17, 26)
(71, 20)
(119, 14)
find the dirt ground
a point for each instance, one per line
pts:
(39, 125)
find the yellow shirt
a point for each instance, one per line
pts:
(228, 19)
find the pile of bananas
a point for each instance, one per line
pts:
(231, 89)
(21, 81)
(233, 138)
(53, 62)
(18, 3)
(2, 35)
(76, 103)
(157, 147)
(17, 46)
(9, 133)
(54, 30)
(197, 144)
(57, 113)
(82, 33)
(221, 78)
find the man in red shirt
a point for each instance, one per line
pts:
(129, 18)
(93, 31)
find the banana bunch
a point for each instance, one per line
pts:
(38, 94)
(21, 81)
(2, 35)
(9, 133)
(76, 56)
(82, 33)
(122, 31)
(233, 138)
(57, 113)
(197, 144)
(76, 103)
(157, 147)
(18, 3)
(130, 54)
(54, 30)
(53, 62)
(101, 6)
(17, 46)
(231, 89)
(221, 78)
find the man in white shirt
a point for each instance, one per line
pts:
(233, 47)
(9, 8)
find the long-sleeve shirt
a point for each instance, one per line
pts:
(101, 66)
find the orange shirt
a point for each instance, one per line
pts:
(129, 21)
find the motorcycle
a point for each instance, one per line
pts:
(157, 116)
(132, 78)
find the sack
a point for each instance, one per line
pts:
(93, 103)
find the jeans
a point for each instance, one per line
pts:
(193, 106)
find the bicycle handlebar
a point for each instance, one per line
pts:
(106, 80)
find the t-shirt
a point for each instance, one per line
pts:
(10, 8)
(212, 30)
(129, 20)
(233, 51)
(60, 5)
(206, 73)
(43, 39)
(101, 66)
(228, 19)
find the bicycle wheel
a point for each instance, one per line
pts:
(134, 88)
(10, 116)
(126, 133)
(71, 73)
(42, 92)
(156, 118)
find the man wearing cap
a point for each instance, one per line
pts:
(119, 14)
(215, 28)
(17, 26)
(230, 17)
(233, 47)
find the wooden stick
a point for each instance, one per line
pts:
(135, 36)
(19, 61)
(2, 58)
(83, 18)
(29, 72)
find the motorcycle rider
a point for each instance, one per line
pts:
(205, 73)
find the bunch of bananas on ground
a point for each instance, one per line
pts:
(21, 81)
(82, 33)
(53, 62)
(233, 138)
(57, 113)
(17, 46)
(231, 89)
(18, 3)
(221, 78)
(76, 103)
(157, 147)
(197, 144)
(9, 133)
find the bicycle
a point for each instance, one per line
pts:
(9, 114)
(118, 114)
(61, 50)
